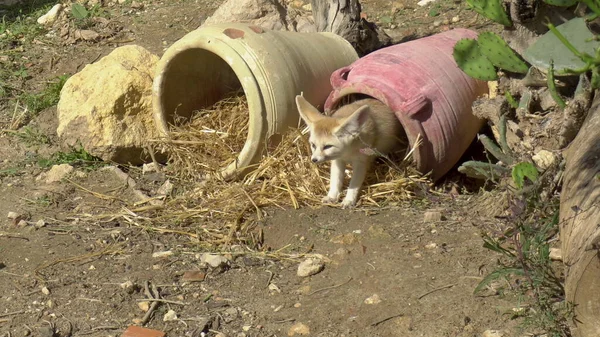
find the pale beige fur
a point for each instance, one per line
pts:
(354, 134)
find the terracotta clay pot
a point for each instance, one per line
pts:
(271, 67)
(430, 95)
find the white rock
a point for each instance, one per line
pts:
(274, 287)
(455, 19)
(49, 18)
(12, 215)
(213, 260)
(373, 299)
(544, 159)
(56, 173)
(298, 329)
(144, 306)
(165, 189)
(432, 245)
(492, 333)
(149, 168)
(165, 253)
(310, 267)
(425, 2)
(45, 291)
(556, 254)
(40, 223)
(170, 316)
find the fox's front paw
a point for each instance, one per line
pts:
(348, 203)
(329, 199)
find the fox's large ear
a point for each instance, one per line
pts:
(352, 124)
(309, 113)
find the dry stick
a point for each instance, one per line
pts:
(93, 330)
(154, 304)
(96, 194)
(153, 157)
(12, 313)
(436, 289)
(160, 300)
(386, 319)
(258, 213)
(331, 287)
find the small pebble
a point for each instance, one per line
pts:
(298, 329)
(432, 245)
(556, 254)
(170, 316)
(214, 260)
(310, 267)
(144, 306)
(162, 254)
(373, 299)
(45, 291)
(455, 19)
(492, 333)
(437, 23)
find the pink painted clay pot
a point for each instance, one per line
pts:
(430, 95)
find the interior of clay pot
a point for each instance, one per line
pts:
(196, 78)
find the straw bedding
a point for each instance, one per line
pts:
(224, 212)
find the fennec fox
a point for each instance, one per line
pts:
(354, 135)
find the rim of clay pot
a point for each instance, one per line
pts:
(247, 81)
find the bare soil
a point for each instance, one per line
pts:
(69, 274)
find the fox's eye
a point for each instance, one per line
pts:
(327, 147)
(312, 145)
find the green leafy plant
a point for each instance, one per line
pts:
(78, 156)
(48, 97)
(30, 136)
(471, 60)
(525, 264)
(500, 54)
(492, 9)
(478, 58)
(524, 170)
(79, 12)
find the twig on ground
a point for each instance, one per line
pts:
(161, 300)
(386, 319)
(12, 313)
(152, 295)
(436, 289)
(330, 287)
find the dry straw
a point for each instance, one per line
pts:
(224, 212)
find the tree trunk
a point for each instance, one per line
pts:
(580, 224)
(342, 17)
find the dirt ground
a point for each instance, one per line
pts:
(390, 272)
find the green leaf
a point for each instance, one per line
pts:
(575, 54)
(495, 49)
(469, 58)
(492, 9)
(524, 170)
(496, 274)
(79, 12)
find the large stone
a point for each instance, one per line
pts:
(107, 106)
(269, 14)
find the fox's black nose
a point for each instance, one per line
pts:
(314, 160)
